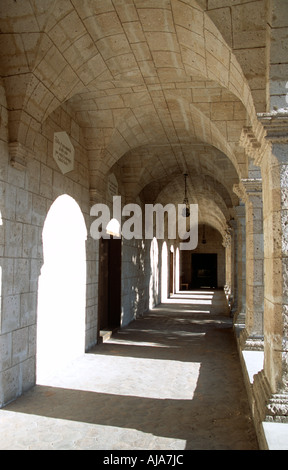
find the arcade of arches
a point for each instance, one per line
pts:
(124, 97)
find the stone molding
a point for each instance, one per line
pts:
(272, 407)
(240, 319)
(253, 144)
(273, 128)
(275, 125)
(248, 187)
(239, 190)
(251, 342)
(252, 186)
(18, 155)
(249, 141)
(226, 239)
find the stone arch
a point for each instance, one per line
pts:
(212, 208)
(130, 135)
(190, 43)
(62, 288)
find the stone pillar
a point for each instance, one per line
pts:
(267, 145)
(275, 183)
(228, 264)
(250, 191)
(240, 271)
(234, 263)
(252, 337)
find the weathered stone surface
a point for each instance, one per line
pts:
(145, 91)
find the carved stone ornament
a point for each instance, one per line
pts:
(274, 405)
(252, 185)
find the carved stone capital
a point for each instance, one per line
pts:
(252, 186)
(239, 190)
(226, 240)
(249, 141)
(248, 187)
(275, 125)
(252, 142)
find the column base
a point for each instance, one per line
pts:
(251, 342)
(270, 413)
(238, 324)
(271, 407)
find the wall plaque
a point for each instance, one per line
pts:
(63, 152)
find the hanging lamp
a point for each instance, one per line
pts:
(186, 210)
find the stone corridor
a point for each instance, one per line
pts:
(171, 380)
(131, 109)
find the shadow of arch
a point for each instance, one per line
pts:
(62, 288)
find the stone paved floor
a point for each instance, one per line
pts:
(169, 381)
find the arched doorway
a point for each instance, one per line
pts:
(110, 252)
(164, 273)
(171, 271)
(154, 274)
(62, 288)
(177, 270)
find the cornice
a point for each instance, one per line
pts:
(252, 185)
(248, 187)
(253, 142)
(272, 128)
(275, 125)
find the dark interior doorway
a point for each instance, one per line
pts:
(109, 284)
(204, 270)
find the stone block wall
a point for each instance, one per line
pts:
(135, 279)
(27, 192)
(28, 189)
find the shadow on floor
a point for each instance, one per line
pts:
(184, 357)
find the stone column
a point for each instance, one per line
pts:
(235, 266)
(233, 254)
(252, 336)
(240, 270)
(267, 145)
(228, 264)
(271, 384)
(249, 191)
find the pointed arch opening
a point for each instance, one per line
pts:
(62, 289)
(154, 274)
(164, 273)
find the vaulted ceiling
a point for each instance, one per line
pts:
(159, 88)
